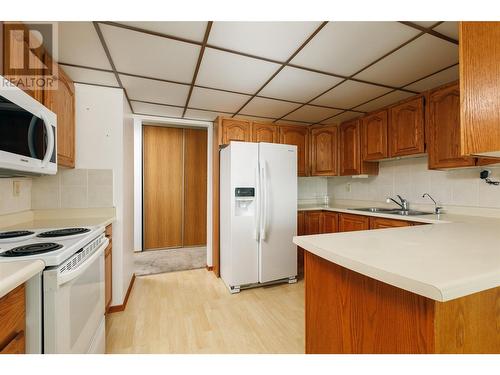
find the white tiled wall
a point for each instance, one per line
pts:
(410, 178)
(74, 188)
(312, 188)
(10, 203)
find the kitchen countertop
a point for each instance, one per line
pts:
(13, 274)
(458, 257)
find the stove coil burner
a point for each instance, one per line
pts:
(32, 249)
(14, 234)
(63, 232)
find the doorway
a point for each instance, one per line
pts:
(174, 187)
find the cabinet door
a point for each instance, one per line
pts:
(264, 132)
(62, 103)
(443, 125)
(349, 148)
(406, 128)
(330, 222)
(235, 130)
(350, 223)
(380, 223)
(324, 151)
(108, 276)
(374, 136)
(298, 136)
(13, 320)
(314, 222)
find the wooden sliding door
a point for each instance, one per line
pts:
(174, 187)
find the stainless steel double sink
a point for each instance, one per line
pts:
(392, 211)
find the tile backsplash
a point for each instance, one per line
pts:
(11, 202)
(73, 188)
(410, 178)
(312, 188)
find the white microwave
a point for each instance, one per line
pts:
(28, 134)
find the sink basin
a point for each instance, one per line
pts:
(393, 211)
(410, 213)
(374, 209)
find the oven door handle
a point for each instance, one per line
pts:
(66, 277)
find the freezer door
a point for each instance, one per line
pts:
(278, 180)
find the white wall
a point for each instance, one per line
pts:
(410, 178)
(101, 143)
(9, 203)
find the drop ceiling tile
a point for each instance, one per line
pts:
(90, 76)
(425, 23)
(298, 84)
(311, 114)
(423, 56)
(290, 122)
(273, 40)
(268, 107)
(435, 80)
(156, 110)
(155, 91)
(152, 56)
(346, 47)
(192, 30)
(196, 114)
(349, 94)
(383, 101)
(346, 116)
(79, 44)
(449, 29)
(224, 70)
(216, 100)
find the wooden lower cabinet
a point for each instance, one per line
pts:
(381, 223)
(314, 222)
(301, 231)
(13, 321)
(330, 222)
(350, 222)
(347, 313)
(108, 269)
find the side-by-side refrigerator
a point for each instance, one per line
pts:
(258, 214)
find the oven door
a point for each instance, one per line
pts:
(74, 307)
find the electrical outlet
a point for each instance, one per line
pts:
(16, 188)
(348, 187)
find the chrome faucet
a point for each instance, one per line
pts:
(405, 205)
(437, 209)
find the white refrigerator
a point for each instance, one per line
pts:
(258, 214)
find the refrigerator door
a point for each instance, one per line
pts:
(239, 214)
(278, 202)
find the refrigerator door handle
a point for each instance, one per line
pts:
(263, 189)
(256, 233)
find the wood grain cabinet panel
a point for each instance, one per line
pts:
(381, 223)
(406, 128)
(350, 151)
(330, 222)
(324, 151)
(298, 136)
(262, 132)
(13, 321)
(235, 130)
(374, 136)
(351, 223)
(62, 102)
(479, 82)
(443, 126)
(301, 230)
(314, 222)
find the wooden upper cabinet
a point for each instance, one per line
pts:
(262, 132)
(351, 223)
(350, 153)
(314, 222)
(374, 136)
(299, 136)
(235, 130)
(443, 126)
(406, 128)
(324, 151)
(479, 83)
(61, 101)
(330, 222)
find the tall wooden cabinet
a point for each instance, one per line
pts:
(406, 128)
(324, 151)
(350, 152)
(298, 136)
(374, 136)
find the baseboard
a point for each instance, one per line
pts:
(210, 268)
(118, 308)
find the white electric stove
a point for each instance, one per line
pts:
(65, 305)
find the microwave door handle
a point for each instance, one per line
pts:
(31, 136)
(67, 277)
(50, 142)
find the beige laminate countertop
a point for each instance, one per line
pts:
(13, 274)
(62, 222)
(458, 257)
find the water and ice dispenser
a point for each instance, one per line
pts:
(244, 201)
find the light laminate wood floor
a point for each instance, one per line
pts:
(193, 312)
